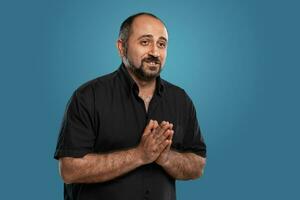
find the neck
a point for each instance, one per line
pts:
(145, 87)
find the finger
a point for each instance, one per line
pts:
(167, 148)
(163, 133)
(164, 137)
(149, 127)
(163, 145)
(155, 124)
(170, 140)
(160, 130)
(164, 127)
(162, 123)
(156, 129)
(171, 126)
(150, 139)
(170, 137)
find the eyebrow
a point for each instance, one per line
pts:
(151, 36)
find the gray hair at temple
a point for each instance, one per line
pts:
(126, 26)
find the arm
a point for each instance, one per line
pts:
(94, 168)
(183, 166)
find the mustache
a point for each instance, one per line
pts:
(152, 59)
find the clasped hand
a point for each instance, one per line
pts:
(156, 142)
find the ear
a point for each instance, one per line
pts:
(120, 47)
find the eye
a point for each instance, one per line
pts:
(144, 42)
(162, 45)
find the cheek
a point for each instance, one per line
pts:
(136, 55)
(163, 57)
(131, 56)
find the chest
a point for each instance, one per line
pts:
(122, 121)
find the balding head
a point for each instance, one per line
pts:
(126, 26)
(142, 45)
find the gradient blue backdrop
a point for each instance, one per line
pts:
(238, 60)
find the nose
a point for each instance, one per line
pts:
(154, 51)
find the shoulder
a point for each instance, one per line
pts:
(86, 94)
(178, 97)
(97, 84)
(174, 90)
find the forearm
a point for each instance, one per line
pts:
(184, 166)
(94, 168)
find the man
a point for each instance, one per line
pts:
(130, 134)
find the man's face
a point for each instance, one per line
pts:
(146, 48)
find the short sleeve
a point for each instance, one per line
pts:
(193, 140)
(77, 135)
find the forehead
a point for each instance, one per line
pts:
(147, 25)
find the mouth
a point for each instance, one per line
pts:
(152, 63)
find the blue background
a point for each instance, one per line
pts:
(238, 60)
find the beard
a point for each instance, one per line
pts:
(144, 72)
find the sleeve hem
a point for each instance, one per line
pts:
(197, 152)
(70, 153)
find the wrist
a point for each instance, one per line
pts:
(164, 163)
(165, 160)
(137, 156)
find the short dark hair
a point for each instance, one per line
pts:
(126, 26)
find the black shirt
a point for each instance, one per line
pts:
(106, 114)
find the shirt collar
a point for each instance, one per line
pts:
(131, 84)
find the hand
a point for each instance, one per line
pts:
(164, 156)
(154, 141)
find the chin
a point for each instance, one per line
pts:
(152, 72)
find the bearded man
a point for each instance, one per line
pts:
(130, 134)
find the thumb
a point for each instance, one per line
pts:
(170, 140)
(149, 127)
